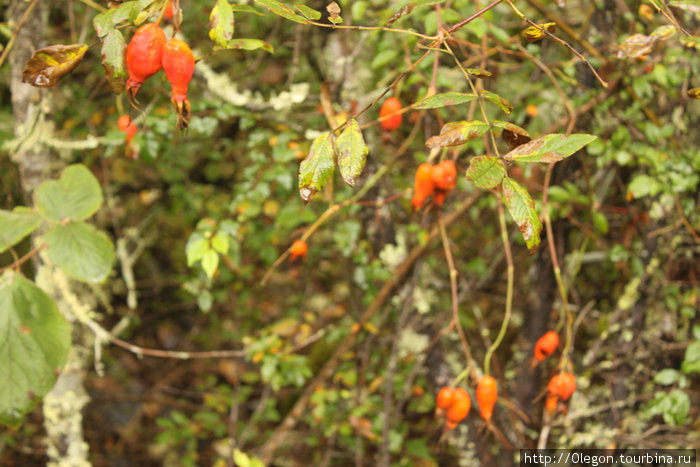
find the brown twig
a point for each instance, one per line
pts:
(18, 262)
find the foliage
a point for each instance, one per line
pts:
(363, 329)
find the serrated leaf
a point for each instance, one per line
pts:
(317, 168)
(352, 152)
(250, 44)
(549, 148)
(34, 349)
(503, 104)
(113, 49)
(210, 262)
(75, 196)
(81, 251)
(103, 23)
(280, 9)
(456, 133)
(222, 23)
(15, 225)
(522, 209)
(49, 64)
(486, 171)
(308, 12)
(444, 99)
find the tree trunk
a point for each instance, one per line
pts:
(63, 404)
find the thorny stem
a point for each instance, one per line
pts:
(453, 288)
(566, 314)
(509, 290)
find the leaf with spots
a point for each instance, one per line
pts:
(522, 209)
(318, 166)
(457, 133)
(49, 64)
(549, 148)
(352, 152)
(486, 171)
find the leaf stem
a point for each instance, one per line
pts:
(509, 290)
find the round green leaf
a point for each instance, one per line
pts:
(486, 171)
(15, 225)
(81, 251)
(76, 195)
(34, 346)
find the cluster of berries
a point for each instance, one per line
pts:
(433, 180)
(455, 403)
(148, 52)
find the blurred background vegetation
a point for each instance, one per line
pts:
(625, 221)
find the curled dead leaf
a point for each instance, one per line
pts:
(49, 64)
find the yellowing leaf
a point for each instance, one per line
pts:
(549, 148)
(694, 93)
(280, 9)
(49, 64)
(222, 24)
(308, 12)
(317, 168)
(522, 209)
(456, 133)
(352, 152)
(444, 99)
(536, 33)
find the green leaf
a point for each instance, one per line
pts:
(691, 363)
(220, 243)
(75, 196)
(196, 246)
(317, 168)
(478, 72)
(503, 104)
(104, 23)
(456, 133)
(250, 44)
(444, 99)
(15, 225)
(113, 49)
(352, 152)
(486, 171)
(81, 251)
(522, 209)
(34, 348)
(222, 24)
(308, 12)
(280, 9)
(210, 262)
(549, 148)
(666, 377)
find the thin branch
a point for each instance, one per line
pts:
(20, 25)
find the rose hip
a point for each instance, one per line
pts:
(178, 64)
(143, 56)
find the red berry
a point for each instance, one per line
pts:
(444, 398)
(126, 125)
(423, 186)
(459, 409)
(562, 385)
(143, 56)
(178, 64)
(168, 12)
(486, 396)
(298, 249)
(445, 175)
(390, 109)
(546, 345)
